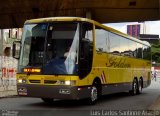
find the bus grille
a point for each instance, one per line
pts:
(49, 82)
(34, 81)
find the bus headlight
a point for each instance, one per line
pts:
(67, 82)
(70, 82)
(20, 80)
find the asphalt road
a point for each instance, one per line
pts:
(110, 104)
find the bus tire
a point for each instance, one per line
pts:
(140, 86)
(134, 90)
(93, 95)
(48, 100)
(95, 92)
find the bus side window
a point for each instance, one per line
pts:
(132, 49)
(139, 51)
(146, 52)
(114, 44)
(101, 40)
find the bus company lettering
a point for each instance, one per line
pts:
(117, 63)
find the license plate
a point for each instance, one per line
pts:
(22, 93)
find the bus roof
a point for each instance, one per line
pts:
(52, 19)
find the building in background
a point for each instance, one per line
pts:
(146, 31)
(8, 65)
(9, 36)
(151, 38)
(154, 40)
(133, 30)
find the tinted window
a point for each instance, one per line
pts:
(146, 52)
(86, 49)
(62, 48)
(101, 40)
(124, 46)
(139, 50)
(87, 40)
(33, 40)
(132, 48)
(114, 44)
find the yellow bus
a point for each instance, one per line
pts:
(77, 58)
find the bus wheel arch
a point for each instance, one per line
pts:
(98, 84)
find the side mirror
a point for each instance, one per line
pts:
(16, 49)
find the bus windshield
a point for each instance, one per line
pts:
(53, 47)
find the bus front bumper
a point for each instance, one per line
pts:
(56, 92)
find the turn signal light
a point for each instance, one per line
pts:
(31, 70)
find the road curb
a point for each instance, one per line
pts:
(155, 105)
(7, 93)
(11, 96)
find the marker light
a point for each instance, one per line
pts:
(31, 70)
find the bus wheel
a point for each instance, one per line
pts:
(48, 100)
(134, 90)
(140, 87)
(93, 95)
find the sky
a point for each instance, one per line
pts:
(150, 27)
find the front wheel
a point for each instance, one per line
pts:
(93, 95)
(48, 100)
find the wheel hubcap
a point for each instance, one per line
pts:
(94, 94)
(135, 87)
(140, 86)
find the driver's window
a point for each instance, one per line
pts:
(86, 49)
(87, 40)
